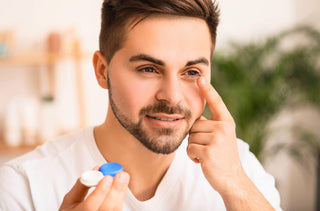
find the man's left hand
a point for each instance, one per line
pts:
(213, 143)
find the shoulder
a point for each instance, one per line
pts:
(50, 154)
(251, 164)
(51, 148)
(49, 170)
(14, 190)
(264, 181)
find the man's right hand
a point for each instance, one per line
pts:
(109, 194)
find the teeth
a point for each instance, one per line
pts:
(163, 119)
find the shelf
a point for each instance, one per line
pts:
(9, 153)
(38, 59)
(17, 149)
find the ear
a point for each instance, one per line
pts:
(100, 69)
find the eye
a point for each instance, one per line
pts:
(148, 70)
(193, 73)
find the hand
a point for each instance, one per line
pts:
(108, 195)
(213, 143)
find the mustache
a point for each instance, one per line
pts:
(163, 107)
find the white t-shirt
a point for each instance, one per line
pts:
(40, 179)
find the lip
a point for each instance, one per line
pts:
(164, 120)
(165, 116)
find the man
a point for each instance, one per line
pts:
(155, 60)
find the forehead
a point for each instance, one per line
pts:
(169, 38)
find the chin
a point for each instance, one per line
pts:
(163, 144)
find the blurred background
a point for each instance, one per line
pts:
(266, 68)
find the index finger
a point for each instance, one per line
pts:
(75, 195)
(218, 109)
(96, 198)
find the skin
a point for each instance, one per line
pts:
(175, 41)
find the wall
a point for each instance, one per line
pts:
(253, 20)
(295, 174)
(32, 20)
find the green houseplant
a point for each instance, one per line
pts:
(258, 80)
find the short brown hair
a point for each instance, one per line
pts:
(117, 15)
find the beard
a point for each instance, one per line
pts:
(159, 140)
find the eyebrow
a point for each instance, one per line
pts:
(202, 60)
(144, 57)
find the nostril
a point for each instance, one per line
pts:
(165, 101)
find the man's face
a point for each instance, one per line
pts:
(152, 80)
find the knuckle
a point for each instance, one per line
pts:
(107, 206)
(221, 127)
(87, 206)
(207, 151)
(117, 186)
(191, 137)
(66, 197)
(190, 148)
(212, 136)
(192, 151)
(100, 191)
(103, 208)
(226, 127)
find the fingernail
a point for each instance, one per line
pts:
(202, 81)
(108, 181)
(96, 168)
(123, 177)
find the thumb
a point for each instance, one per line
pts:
(76, 195)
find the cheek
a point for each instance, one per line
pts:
(194, 99)
(128, 95)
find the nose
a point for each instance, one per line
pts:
(170, 91)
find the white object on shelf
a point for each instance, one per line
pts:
(48, 128)
(29, 121)
(12, 123)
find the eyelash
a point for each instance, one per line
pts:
(195, 73)
(144, 69)
(190, 73)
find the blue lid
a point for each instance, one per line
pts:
(110, 169)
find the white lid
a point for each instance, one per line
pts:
(91, 178)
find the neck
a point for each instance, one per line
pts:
(146, 168)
